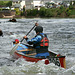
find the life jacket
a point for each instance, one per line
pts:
(43, 44)
(44, 41)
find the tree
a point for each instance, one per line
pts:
(49, 13)
(6, 3)
(42, 11)
(34, 12)
(9, 3)
(18, 12)
(68, 12)
(24, 10)
(2, 3)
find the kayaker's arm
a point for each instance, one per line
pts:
(33, 40)
(27, 39)
(30, 42)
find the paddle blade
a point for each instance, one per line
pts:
(14, 49)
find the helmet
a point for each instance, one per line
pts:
(16, 41)
(38, 29)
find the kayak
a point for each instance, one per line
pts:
(28, 53)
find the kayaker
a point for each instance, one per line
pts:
(40, 42)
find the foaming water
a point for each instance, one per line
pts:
(22, 66)
(61, 34)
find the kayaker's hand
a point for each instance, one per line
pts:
(36, 24)
(25, 37)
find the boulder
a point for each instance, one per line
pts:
(1, 33)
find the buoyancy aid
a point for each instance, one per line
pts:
(43, 44)
(44, 41)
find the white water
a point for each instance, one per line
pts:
(61, 34)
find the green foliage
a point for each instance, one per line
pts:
(61, 10)
(42, 11)
(18, 12)
(9, 3)
(28, 12)
(5, 3)
(49, 13)
(33, 12)
(0, 9)
(2, 3)
(68, 12)
(71, 7)
(23, 13)
(72, 12)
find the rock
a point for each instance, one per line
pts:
(1, 33)
(12, 20)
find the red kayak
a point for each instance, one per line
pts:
(57, 59)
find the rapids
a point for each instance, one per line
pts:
(61, 34)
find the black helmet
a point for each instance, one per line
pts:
(38, 29)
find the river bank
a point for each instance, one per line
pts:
(33, 17)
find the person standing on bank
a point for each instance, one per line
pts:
(40, 42)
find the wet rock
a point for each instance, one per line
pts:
(1, 33)
(12, 20)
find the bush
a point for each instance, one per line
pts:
(34, 12)
(0, 9)
(6, 3)
(71, 7)
(28, 12)
(9, 3)
(72, 12)
(49, 13)
(42, 11)
(18, 12)
(68, 12)
(61, 10)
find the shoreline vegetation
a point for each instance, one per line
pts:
(44, 12)
(61, 12)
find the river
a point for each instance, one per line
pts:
(61, 34)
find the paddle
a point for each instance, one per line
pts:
(29, 32)
(15, 47)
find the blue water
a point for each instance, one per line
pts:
(61, 34)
